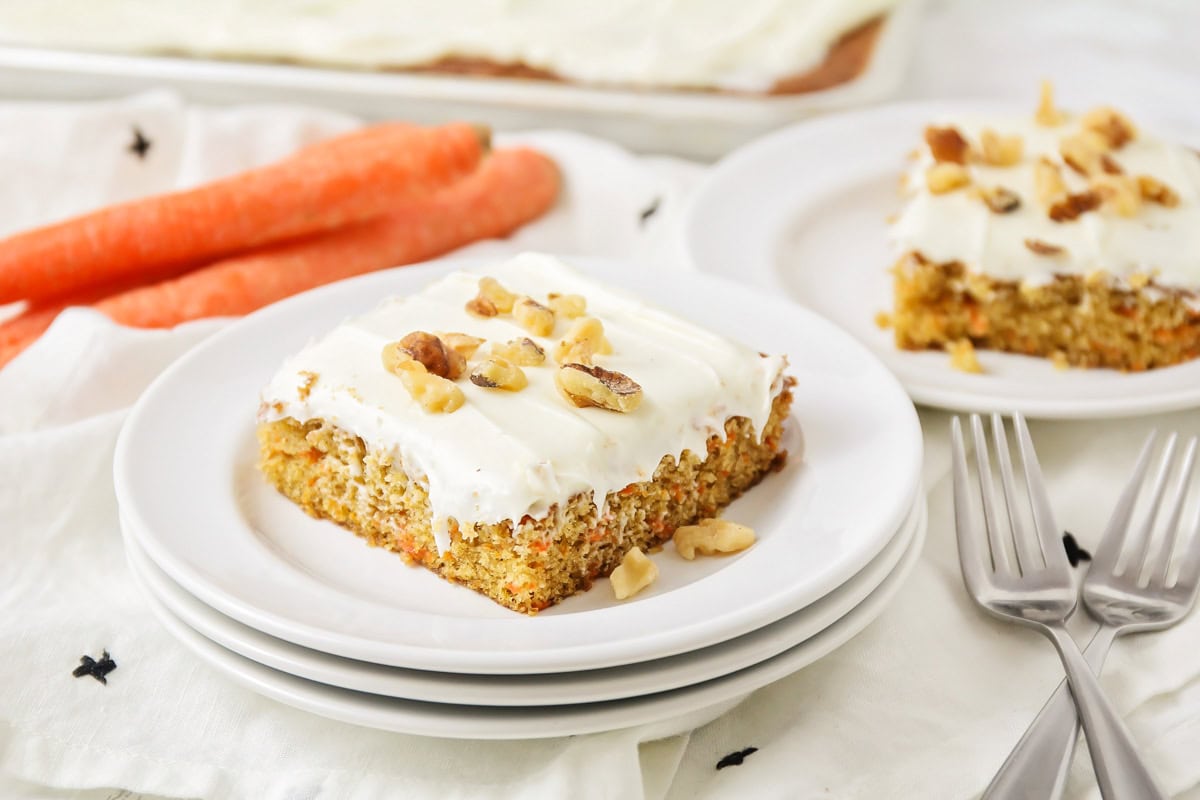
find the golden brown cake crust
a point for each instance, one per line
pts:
(528, 564)
(1084, 321)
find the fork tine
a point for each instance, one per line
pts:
(970, 557)
(1043, 517)
(1144, 534)
(1162, 562)
(1188, 578)
(1028, 558)
(1113, 541)
(987, 488)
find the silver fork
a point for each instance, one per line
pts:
(1037, 590)
(1038, 765)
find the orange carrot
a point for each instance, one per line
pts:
(20, 331)
(510, 188)
(329, 185)
(17, 333)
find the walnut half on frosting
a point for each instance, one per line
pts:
(586, 386)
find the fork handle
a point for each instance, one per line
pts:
(1120, 771)
(1037, 767)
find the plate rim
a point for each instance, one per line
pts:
(457, 722)
(697, 232)
(229, 630)
(479, 661)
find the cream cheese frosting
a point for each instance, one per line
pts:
(746, 45)
(1159, 241)
(504, 455)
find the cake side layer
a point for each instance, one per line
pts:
(1081, 321)
(528, 564)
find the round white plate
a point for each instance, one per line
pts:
(669, 712)
(185, 478)
(803, 213)
(587, 686)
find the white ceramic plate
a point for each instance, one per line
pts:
(698, 125)
(587, 686)
(668, 712)
(802, 213)
(185, 477)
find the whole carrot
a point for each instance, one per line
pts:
(511, 188)
(328, 185)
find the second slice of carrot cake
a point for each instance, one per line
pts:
(1069, 236)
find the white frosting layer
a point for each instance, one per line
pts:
(744, 45)
(503, 455)
(959, 226)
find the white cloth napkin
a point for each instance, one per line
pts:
(924, 703)
(165, 723)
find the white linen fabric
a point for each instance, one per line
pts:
(924, 703)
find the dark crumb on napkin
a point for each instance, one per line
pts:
(140, 144)
(650, 210)
(1075, 553)
(735, 759)
(97, 669)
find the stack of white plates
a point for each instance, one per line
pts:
(306, 613)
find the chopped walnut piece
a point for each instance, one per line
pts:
(946, 145)
(533, 316)
(502, 299)
(482, 307)
(305, 388)
(586, 386)
(584, 339)
(1001, 200)
(712, 536)
(1047, 113)
(435, 394)
(1073, 205)
(1112, 125)
(1000, 151)
(635, 572)
(1044, 248)
(963, 358)
(499, 373)
(462, 343)
(396, 359)
(883, 320)
(1083, 152)
(946, 177)
(1139, 280)
(569, 306)
(434, 355)
(1110, 165)
(1156, 191)
(524, 352)
(1119, 192)
(1048, 183)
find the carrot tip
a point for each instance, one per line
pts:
(484, 133)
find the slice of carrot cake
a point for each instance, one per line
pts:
(520, 429)
(1073, 237)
